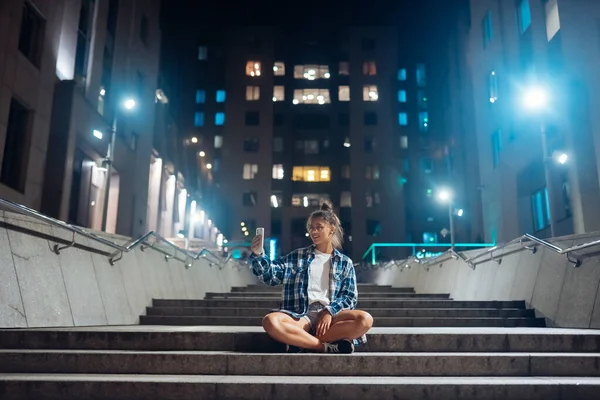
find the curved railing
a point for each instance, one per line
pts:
(172, 251)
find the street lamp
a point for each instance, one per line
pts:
(446, 196)
(535, 99)
(128, 104)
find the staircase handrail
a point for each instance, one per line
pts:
(119, 249)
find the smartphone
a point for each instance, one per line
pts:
(261, 232)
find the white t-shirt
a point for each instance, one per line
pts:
(318, 280)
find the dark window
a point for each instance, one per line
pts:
(140, 84)
(496, 148)
(277, 144)
(344, 119)
(202, 53)
(251, 145)
(249, 199)
(84, 36)
(278, 119)
(113, 12)
(16, 147)
(524, 15)
(427, 165)
(369, 145)
(200, 96)
(144, 29)
(421, 75)
(252, 118)
(422, 99)
(133, 141)
(370, 118)
(275, 227)
(368, 44)
(487, 29)
(373, 227)
(31, 35)
(311, 121)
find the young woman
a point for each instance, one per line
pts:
(319, 291)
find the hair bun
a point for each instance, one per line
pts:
(326, 206)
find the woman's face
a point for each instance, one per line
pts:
(320, 230)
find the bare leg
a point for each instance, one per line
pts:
(348, 324)
(288, 330)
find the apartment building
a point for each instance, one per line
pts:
(528, 74)
(72, 72)
(277, 120)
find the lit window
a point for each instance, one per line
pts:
(250, 171)
(278, 171)
(486, 27)
(496, 148)
(541, 209)
(372, 172)
(219, 118)
(276, 199)
(493, 86)
(279, 68)
(311, 96)
(346, 200)
(218, 141)
(552, 18)
(200, 96)
(309, 199)
(402, 96)
(344, 93)
(202, 52)
(347, 142)
(403, 119)
(199, 118)
(252, 93)
(404, 142)
(346, 172)
(311, 174)
(423, 121)
(421, 75)
(524, 14)
(278, 93)
(369, 68)
(253, 68)
(369, 199)
(402, 74)
(344, 68)
(221, 96)
(311, 72)
(370, 93)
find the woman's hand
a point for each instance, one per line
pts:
(255, 246)
(324, 323)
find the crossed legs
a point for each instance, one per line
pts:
(347, 324)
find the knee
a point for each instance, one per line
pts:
(269, 322)
(364, 320)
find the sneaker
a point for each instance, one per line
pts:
(341, 347)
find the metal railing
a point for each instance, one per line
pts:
(527, 242)
(143, 242)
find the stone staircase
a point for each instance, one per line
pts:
(423, 346)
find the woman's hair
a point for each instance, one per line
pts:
(326, 212)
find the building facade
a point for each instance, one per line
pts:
(277, 121)
(528, 72)
(72, 72)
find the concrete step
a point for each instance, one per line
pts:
(364, 304)
(380, 322)
(253, 339)
(193, 387)
(278, 289)
(375, 312)
(362, 295)
(358, 364)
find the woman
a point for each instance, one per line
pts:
(319, 291)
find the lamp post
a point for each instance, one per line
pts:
(129, 105)
(535, 100)
(446, 197)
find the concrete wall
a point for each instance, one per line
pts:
(564, 295)
(80, 288)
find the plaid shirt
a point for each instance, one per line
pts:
(292, 272)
